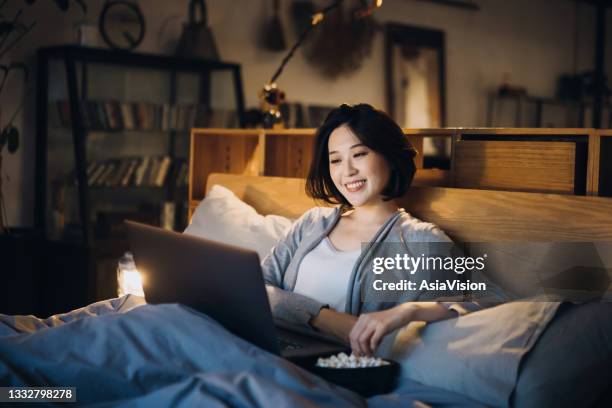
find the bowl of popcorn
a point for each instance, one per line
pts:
(367, 376)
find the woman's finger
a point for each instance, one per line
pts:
(364, 339)
(354, 339)
(376, 337)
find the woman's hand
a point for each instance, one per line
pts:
(370, 328)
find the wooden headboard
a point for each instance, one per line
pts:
(466, 215)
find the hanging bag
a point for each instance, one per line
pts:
(197, 39)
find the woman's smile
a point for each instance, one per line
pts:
(355, 186)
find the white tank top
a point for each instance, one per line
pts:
(324, 274)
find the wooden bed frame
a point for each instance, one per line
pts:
(466, 215)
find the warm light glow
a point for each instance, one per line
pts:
(317, 18)
(379, 3)
(130, 282)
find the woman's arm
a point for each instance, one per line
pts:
(335, 323)
(370, 328)
(286, 305)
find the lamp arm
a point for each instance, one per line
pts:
(316, 19)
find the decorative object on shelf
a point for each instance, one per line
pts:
(86, 34)
(12, 31)
(270, 96)
(122, 24)
(197, 40)
(507, 89)
(272, 35)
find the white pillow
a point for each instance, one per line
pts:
(476, 355)
(223, 217)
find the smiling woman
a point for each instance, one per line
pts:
(319, 275)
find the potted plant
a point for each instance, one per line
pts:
(12, 31)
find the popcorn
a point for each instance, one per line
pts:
(343, 361)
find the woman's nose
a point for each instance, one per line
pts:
(349, 169)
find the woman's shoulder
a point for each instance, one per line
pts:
(318, 216)
(414, 229)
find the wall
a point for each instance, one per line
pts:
(530, 39)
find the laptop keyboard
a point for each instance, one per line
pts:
(285, 344)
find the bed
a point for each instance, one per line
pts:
(133, 354)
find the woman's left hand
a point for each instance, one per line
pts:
(372, 327)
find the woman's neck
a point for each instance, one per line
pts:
(374, 213)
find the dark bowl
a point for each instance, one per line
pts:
(366, 381)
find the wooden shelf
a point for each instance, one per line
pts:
(563, 161)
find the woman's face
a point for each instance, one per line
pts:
(358, 172)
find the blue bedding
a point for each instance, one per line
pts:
(117, 354)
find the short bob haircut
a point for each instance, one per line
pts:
(377, 131)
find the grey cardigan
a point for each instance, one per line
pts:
(281, 265)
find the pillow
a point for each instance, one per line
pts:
(223, 217)
(476, 355)
(570, 364)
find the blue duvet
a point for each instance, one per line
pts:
(158, 355)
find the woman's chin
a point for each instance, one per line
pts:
(356, 201)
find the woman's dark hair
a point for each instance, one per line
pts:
(376, 130)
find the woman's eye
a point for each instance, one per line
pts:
(335, 161)
(361, 154)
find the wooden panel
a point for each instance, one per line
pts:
(527, 132)
(514, 165)
(487, 216)
(466, 215)
(212, 152)
(432, 178)
(288, 155)
(593, 163)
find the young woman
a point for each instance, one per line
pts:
(319, 274)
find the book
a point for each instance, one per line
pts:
(127, 116)
(141, 171)
(172, 118)
(117, 116)
(109, 120)
(165, 117)
(100, 169)
(163, 171)
(108, 174)
(181, 174)
(90, 168)
(127, 177)
(151, 177)
(115, 179)
(94, 172)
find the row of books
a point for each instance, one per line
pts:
(147, 171)
(115, 115)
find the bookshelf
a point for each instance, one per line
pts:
(113, 143)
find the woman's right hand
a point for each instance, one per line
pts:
(335, 323)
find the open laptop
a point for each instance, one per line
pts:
(222, 281)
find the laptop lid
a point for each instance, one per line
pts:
(222, 281)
